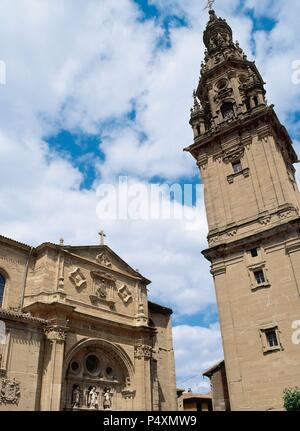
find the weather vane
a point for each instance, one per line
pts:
(209, 4)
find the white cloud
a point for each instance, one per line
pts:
(196, 349)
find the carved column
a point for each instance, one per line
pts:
(143, 354)
(53, 367)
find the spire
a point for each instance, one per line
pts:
(230, 86)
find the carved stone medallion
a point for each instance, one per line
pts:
(9, 391)
(124, 293)
(77, 278)
(103, 260)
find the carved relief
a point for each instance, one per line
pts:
(77, 278)
(55, 332)
(265, 220)
(285, 214)
(214, 240)
(103, 260)
(125, 293)
(233, 155)
(103, 284)
(9, 391)
(232, 232)
(142, 351)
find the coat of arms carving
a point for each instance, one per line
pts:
(103, 285)
(9, 391)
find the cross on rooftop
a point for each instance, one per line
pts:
(102, 236)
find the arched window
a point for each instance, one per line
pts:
(2, 287)
(227, 111)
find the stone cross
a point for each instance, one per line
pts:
(209, 4)
(102, 236)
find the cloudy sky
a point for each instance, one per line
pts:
(99, 89)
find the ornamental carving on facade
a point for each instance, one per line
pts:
(124, 293)
(142, 351)
(103, 284)
(77, 278)
(9, 391)
(233, 155)
(265, 220)
(232, 232)
(103, 260)
(56, 333)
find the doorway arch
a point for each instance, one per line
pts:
(97, 376)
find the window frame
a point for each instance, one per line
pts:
(259, 276)
(235, 164)
(264, 339)
(255, 268)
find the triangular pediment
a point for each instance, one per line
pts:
(106, 257)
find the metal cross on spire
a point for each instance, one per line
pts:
(210, 4)
(102, 236)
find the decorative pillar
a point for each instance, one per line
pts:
(53, 367)
(143, 354)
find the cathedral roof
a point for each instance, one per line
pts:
(77, 249)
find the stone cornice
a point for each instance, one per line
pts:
(241, 125)
(223, 249)
(287, 211)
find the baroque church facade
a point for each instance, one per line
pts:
(77, 332)
(245, 156)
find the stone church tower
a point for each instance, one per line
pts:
(246, 157)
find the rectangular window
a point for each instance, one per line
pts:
(237, 167)
(259, 276)
(271, 337)
(254, 252)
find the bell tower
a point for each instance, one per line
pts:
(245, 157)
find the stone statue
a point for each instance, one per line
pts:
(93, 398)
(76, 397)
(107, 399)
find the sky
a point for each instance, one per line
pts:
(100, 89)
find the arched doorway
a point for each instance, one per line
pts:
(96, 378)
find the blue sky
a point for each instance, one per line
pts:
(100, 89)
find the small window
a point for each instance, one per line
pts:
(271, 338)
(237, 167)
(254, 252)
(227, 111)
(75, 367)
(92, 364)
(259, 276)
(2, 287)
(255, 100)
